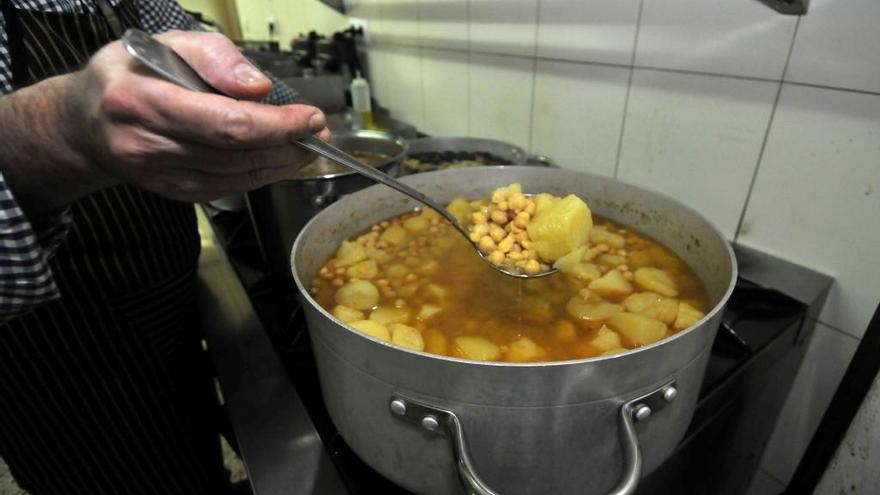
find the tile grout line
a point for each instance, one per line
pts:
(760, 159)
(632, 70)
(649, 68)
(836, 329)
(534, 78)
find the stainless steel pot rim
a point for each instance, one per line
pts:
(438, 399)
(719, 306)
(514, 149)
(369, 134)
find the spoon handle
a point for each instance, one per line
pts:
(337, 155)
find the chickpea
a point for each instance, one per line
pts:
(479, 218)
(496, 233)
(499, 217)
(530, 207)
(496, 257)
(385, 224)
(515, 256)
(382, 282)
(375, 228)
(481, 229)
(532, 267)
(623, 268)
(622, 252)
(340, 271)
(314, 291)
(522, 219)
(628, 275)
(475, 236)
(487, 244)
(499, 196)
(526, 244)
(517, 201)
(399, 303)
(411, 277)
(506, 244)
(338, 282)
(503, 206)
(602, 247)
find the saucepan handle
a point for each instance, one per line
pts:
(445, 422)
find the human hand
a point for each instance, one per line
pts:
(133, 127)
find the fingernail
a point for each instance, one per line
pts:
(247, 73)
(317, 122)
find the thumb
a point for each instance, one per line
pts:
(220, 63)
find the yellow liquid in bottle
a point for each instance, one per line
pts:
(367, 119)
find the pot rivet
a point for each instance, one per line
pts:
(398, 407)
(670, 393)
(643, 412)
(430, 423)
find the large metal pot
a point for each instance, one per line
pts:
(510, 153)
(280, 210)
(432, 423)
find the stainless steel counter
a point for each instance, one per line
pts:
(281, 450)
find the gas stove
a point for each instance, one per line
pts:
(760, 344)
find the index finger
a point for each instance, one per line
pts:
(222, 122)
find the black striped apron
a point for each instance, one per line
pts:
(106, 391)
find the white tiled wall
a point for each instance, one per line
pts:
(686, 97)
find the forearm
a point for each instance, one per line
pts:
(38, 156)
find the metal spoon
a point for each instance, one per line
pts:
(167, 63)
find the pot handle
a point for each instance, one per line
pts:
(442, 421)
(541, 161)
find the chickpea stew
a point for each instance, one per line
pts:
(414, 281)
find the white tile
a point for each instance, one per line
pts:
(404, 84)
(853, 467)
(578, 113)
(445, 76)
(696, 138)
(837, 45)
(816, 199)
(824, 364)
(399, 22)
(588, 30)
(742, 38)
(377, 58)
(443, 24)
(501, 98)
(764, 484)
(503, 26)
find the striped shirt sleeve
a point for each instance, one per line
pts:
(25, 250)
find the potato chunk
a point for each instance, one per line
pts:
(477, 348)
(436, 342)
(653, 305)
(461, 210)
(416, 224)
(395, 234)
(566, 263)
(388, 315)
(638, 329)
(656, 280)
(612, 284)
(427, 311)
(606, 339)
(565, 331)
(687, 316)
(407, 336)
(363, 269)
(346, 314)
(373, 329)
(350, 253)
(524, 350)
(561, 228)
(358, 295)
(600, 235)
(591, 311)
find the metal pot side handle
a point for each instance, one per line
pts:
(541, 161)
(444, 422)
